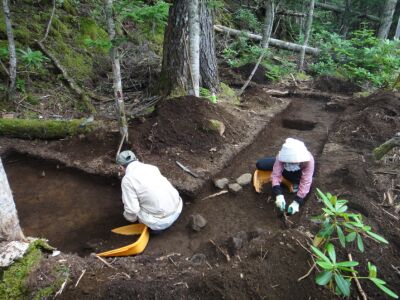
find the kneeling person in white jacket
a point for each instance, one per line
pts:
(147, 195)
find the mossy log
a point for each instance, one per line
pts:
(380, 151)
(45, 129)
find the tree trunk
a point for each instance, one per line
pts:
(272, 42)
(45, 129)
(346, 19)
(268, 23)
(387, 17)
(11, 51)
(9, 223)
(397, 33)
(194, 45)
(306, 34)
(341, 10)
(380, 151)
(208, 58)
(117, 82)
(175, 73)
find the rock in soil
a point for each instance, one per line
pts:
(197, 222)
(237, 242)
(221, 183)
(244, 179)
(235, 188)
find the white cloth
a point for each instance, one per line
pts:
(291, 167)
(293, 151)
(149, 196)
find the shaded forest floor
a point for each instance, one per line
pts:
(78, 199)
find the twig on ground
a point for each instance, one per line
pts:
(397, 269)
(161, 258)
(62, 287)
(359, 288)
(170, 258)
(80, 277)
(222, 251)
(308, 273)
(104, 261)
(302, 246)
(182, 283)
(385, 211)
(215, 195)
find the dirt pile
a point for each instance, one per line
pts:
(186, 123)
(370, 121)
(336, 85)
(259, 75)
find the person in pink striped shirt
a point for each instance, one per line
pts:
(295, 163)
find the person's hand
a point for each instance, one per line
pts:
(293, 208)
(280, 202)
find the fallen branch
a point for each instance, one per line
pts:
(359, 288)
(385, 211)
(80, 277)
(380, 151)
(104, 261)
(341, 10)
(215, 195)
(61, 288)
(273, 42)
(228, 258)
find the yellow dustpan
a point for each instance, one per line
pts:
(262, 177)
(132, 249)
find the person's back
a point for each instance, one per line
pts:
(155, 193)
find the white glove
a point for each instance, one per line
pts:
(280, 202)
(293, 208)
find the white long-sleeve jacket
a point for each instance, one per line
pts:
(149, 196)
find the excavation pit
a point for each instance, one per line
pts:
(298, 124)
(75, 211)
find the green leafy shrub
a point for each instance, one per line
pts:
(338, 224)
(363, 58)
(247, 19)
(32, 59)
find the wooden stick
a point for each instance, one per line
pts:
(385, 211)
(104, 261)
(80, 277)
(222, 251)
(359, 288)
(61, 288)
(215, 195)
(307, 274)
(49, 24)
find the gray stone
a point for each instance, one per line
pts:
(235, 188)
(244, 179)
(221, 183)
(197, 222)
(198, 259)
(238, 241)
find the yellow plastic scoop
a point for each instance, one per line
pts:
(262, 177)
(132, 249)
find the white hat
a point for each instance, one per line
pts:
(293, 151)
(125, 157)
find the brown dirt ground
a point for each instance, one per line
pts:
(272, 258)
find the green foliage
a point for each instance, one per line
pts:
(32, 59)
(3, 52)
(104, 44)
(21, 85)
(13, 283)
(338, 224)
(363, 58)
(247, 20)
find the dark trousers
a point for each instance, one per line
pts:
(267, 163)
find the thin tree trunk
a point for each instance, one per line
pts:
(194, 45)
(11, 51)
(50, 21)
(117, 82)
(387, 18)
(272, 42)
(9, 223)
(306, 34)
(208, 58)
(268, 23)
(397, 33)
(346, 19)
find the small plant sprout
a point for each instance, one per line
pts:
(339, 225)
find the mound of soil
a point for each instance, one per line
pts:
(370, 121)
(336, 85)
(259, 75)
(184, 122)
